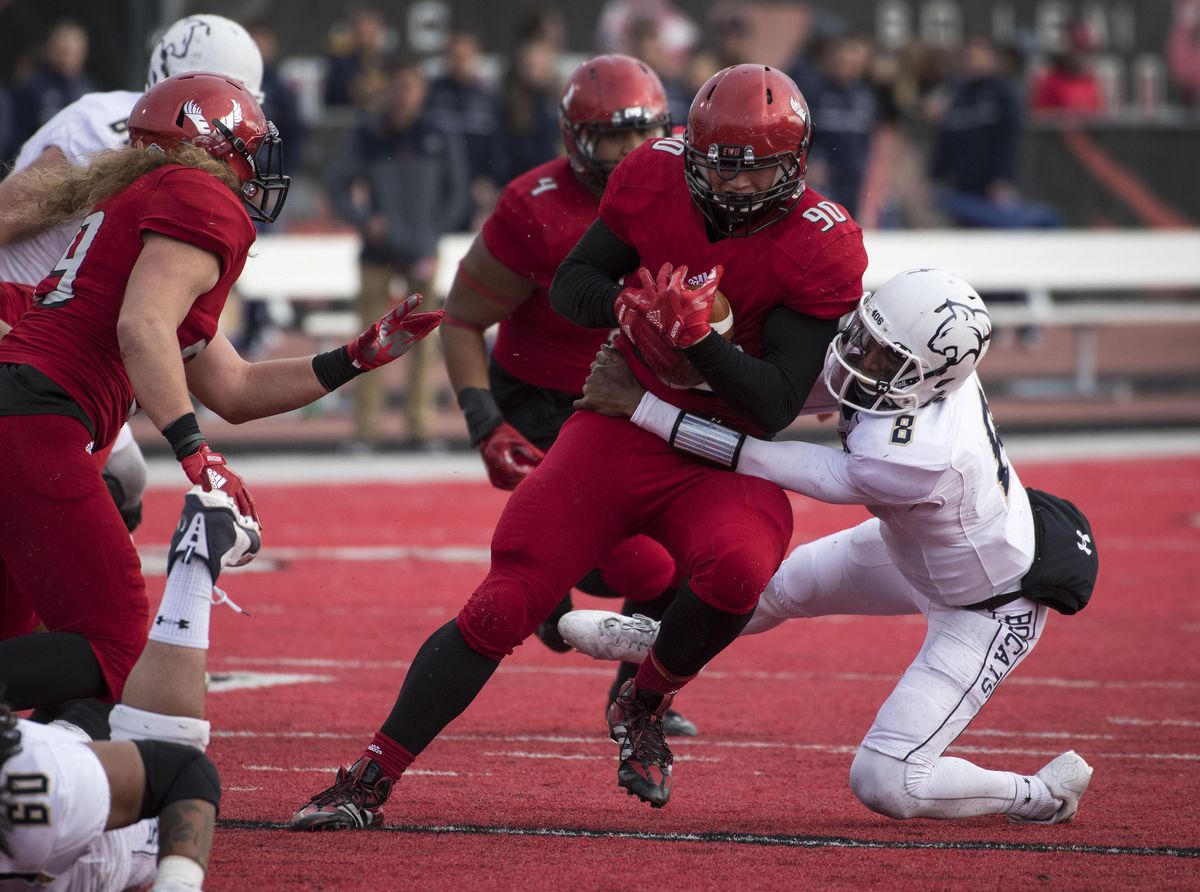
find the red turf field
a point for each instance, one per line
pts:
(521, 792)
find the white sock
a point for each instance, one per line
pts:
(1032, 799)
(131, 723)
(187, 601)
(177, 874)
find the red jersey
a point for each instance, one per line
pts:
(15, 299)
(71, 333)
(537, 221)
(811, 261)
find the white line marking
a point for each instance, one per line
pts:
(416, 772)
(1168, 723)
(223, 682)
(522, 754)
(154, 557)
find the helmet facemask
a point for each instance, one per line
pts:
(265, 190)
(583, 138)
(743, 213)
(867, 372)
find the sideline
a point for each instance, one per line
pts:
(1023, 449)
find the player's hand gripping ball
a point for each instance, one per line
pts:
(663, 317)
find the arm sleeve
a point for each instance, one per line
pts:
(586, 285)
(767, 392)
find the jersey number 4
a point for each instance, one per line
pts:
(997, 445)
(68, 265)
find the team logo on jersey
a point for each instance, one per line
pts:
(962, 333)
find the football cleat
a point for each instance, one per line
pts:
(352, 803)
(645, 767)
(212, 529)
(605, 635)
(677, 725)
(1067, 778)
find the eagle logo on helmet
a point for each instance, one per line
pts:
(192, 111)
(234, 119)
(961, 334)
(798, 108)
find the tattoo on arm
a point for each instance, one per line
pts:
(186, 828)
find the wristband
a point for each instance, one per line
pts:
(184, 435)
(334, 368)
(482, 414)
(709, 440)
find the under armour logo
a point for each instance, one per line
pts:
(1084, 543)
(182, 623)
(544, 184)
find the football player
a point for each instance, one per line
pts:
(29, 246)
(730, 192)
(118, 815)
(515, 403)
(167, 224)
(954, 537)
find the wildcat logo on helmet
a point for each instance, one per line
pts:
(962, 334)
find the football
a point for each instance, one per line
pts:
(683, 375)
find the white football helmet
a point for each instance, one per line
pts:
(911, 342)
(207, 43)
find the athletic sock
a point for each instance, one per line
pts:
(391, 756)
(445, 676)
(1032, 799)
(653, 678)
(183, 616)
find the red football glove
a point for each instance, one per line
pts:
(509, 457)
(662, 317)
(208, 470)
(393, 335)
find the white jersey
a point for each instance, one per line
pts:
(86, 127)
(953, 514)
(57, 796)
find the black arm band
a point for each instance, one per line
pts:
(482, 414)
(175, 772)
(333, 369)
(586, 285)
(184, 435)
(767, 392)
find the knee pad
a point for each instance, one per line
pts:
(882, 783)
(128, 723)
(500, 615)
(175, 772)
(639, 569)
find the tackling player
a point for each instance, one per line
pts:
(112, 816)
(30, 246)
(515, 403)
(730, 193)
(955, 537)
(134, 297)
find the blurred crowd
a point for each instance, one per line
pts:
(403, 148)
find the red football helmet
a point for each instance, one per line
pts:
(604, 95)
(220, 116)
(747, 117)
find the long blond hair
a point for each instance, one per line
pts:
(63, 192)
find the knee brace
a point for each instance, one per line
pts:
(175, 772)
(128, 723)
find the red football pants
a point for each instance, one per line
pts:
(604, 480)
(639, 569)
(63, 546)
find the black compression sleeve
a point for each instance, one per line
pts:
(585, 285)
(768, 392)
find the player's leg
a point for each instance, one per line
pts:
(848, 572)
(579, 485)
(900, 770)
(63, 541)
(125, 476)
(164, 695)
(730, 533)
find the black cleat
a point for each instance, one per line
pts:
(637, 727)
(548, 633)
(354, 802)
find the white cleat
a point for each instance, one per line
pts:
(605, 635)
(1067, 778)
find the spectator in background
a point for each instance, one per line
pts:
(355, 74)
(645, 40)
(855, 119)
(1183, 49)
(55, 83)
(1068, 85)
(461, 103)
(400, 181)
(732, 39)
(530, 106)
(615, 28)
(974, 163)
